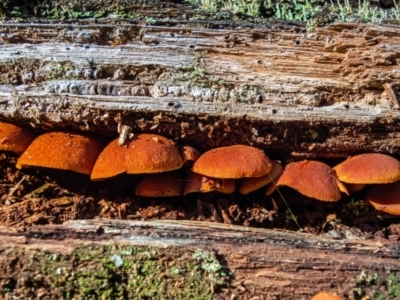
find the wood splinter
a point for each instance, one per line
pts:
(392, 96)
(124, 134)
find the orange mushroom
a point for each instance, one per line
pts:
(203, 184)
(313, 179)
(326, 296)
(61, 150)
(168, 184)
(251, 184)
(369, 168)
(14, 137)
(189, 154)
(385, 197)
(146, 153)
(111, 162)
(236, 161)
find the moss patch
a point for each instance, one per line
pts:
(111, 272)
(377, 286)
(64, 9)
(18, 71)
(314, 12)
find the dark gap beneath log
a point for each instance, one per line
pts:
(286, 141)
(48, 196)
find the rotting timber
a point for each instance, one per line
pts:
(328, 93)
(264, 264)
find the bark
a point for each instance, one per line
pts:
(265, 264)
(327, 93)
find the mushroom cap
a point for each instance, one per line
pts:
(168, 184)
(146, 153)
(61, 150)
(385, 197)
(311, 178)
(14, 137)
(151, 153)
(197, 183)
(110, 163)
(237, 161)
(326, 296)
(251, 184)
(369, 168)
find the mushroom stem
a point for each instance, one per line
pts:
(354, 187)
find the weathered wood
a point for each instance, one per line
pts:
(267, 264)
(327, 93)
(321, 93)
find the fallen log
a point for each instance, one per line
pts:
(327, 93)
(256, 263)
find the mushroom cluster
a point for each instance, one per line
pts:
(313, 179)
(217, 169)
(171, 171)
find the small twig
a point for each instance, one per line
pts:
(225, 216)
(280, 194)
(124, 134)
(15, 188)
(200, 214)
(287, 205)
(214, 212)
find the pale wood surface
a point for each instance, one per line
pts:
(331, 92)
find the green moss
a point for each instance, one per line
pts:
(43, 190)
(357, 208)
(118, 272)
(11, 70)
(377, 286)
(90, 9)
(63, 9)
(300, 10)
(61, 70)
(211, 265)
(315, 12)
(393, 283)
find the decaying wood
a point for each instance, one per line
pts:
(330, 92)
(327, 93)
(266, 264)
